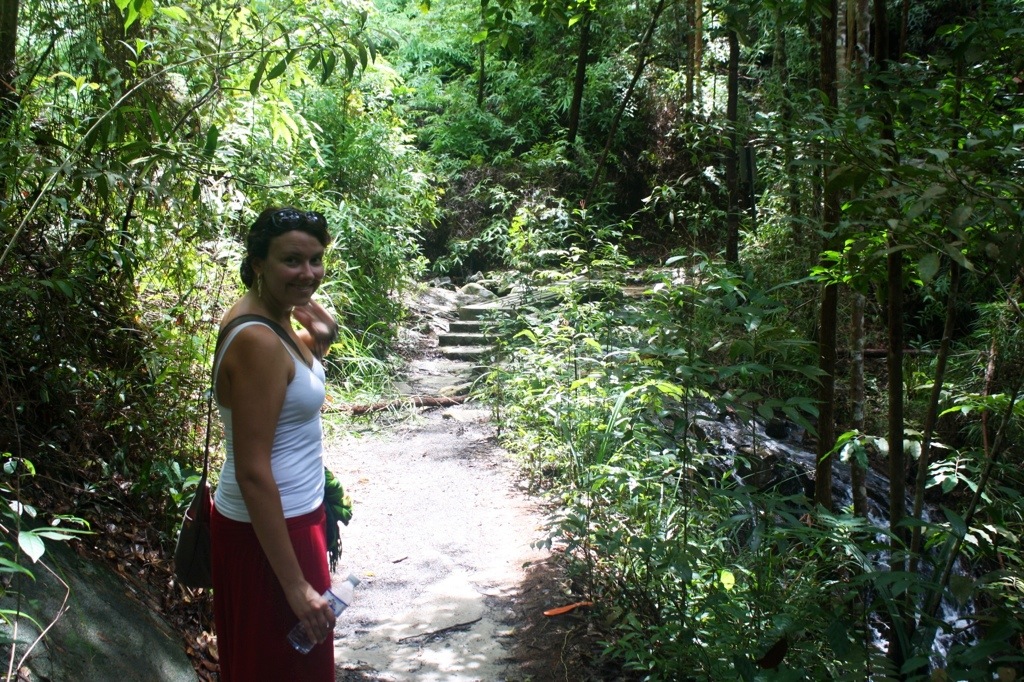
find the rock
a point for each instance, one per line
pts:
(778, 428)
(788, 478)
(477, 291)
(442, 283)
(456, 390)
(435, 299)
(103, 635)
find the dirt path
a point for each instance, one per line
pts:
(441, 538)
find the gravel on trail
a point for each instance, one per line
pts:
(442, 539)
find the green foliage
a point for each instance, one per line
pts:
(515, 127)
(695, 573)
(763, 350)
(384, 196)
(522, 234)
(24, 535)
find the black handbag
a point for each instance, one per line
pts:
(192, 552)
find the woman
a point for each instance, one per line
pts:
(268, 526)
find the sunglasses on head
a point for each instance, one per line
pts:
(290, 219)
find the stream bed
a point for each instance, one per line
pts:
(775, 456)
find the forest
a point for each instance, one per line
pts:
(732, 224)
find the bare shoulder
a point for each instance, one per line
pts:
(256, 350)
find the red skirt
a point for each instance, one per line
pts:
(250, 611)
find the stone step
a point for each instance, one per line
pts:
(458, 339)
(506, 304)
(466, 327)
(482, 311)
(471, 353)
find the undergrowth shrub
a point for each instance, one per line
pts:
(383, 195)
(696, 570)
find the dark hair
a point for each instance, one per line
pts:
(275, 221)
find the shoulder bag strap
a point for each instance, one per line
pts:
(242, 319)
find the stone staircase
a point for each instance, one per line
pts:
(467, 337)
(465, 349)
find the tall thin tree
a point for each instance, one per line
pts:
(8, 59)
(580, 80)
(787, 112)
(8, 73)
(696, 56)
(641, 64)
(859, 24)
(828, 313)
(898, 637)
(732, 174)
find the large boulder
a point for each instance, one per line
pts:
(101, 633)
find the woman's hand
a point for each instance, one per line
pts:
(319, 327)
(312, 610)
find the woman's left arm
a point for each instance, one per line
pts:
(319, 328)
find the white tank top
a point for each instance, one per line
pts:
(296, 459)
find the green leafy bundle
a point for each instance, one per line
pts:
(339, 510)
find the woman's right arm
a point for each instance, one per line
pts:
(258, 369)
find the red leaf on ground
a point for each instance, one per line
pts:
(566, 609)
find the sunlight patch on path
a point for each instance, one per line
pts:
(426, 645)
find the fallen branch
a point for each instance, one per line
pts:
(414, 401)
(883, 352)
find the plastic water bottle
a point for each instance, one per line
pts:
(339, 599)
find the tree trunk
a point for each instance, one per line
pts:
(9, 99)
(897, 457)
(8, 61)
(641, 64)
(732, 175)
(863, 47)
(786, 116)
(691, 40)
(481, 76)
(898, 618)
(880, 34)
(932, 415)
(827, 317)
(582, 56)
(858, 18)
(698, 48)
(830, 296)
(858, 469)
(904, 21)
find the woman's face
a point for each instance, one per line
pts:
(292, 270)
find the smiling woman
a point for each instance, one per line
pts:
(269, 535)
